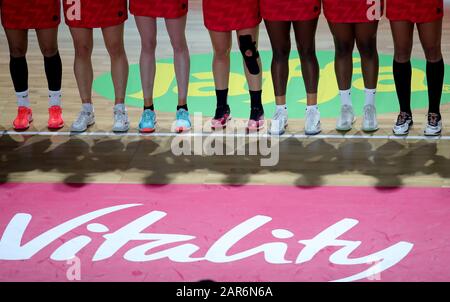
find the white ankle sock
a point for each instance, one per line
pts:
(370, 96)
(23, 99)
(284, 107)
(316, 107)
(120, 107)
(87, 107)
(54, 98)
(346, 97)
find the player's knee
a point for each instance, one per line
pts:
(149, 46)
(281, 54)
(433, 53)
(367, 48)
(344, 48)
(222, 54)
(307, 53)
(17, 51)
(116, 50)
(250, 53)
(49, 51)
(179, 46)
(402, 55)
(83, 51)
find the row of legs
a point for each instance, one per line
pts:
(346, 36)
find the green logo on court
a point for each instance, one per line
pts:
(202, 93)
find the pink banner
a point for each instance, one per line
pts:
(103, 232)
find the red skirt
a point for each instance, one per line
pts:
(228, 15)
(30, 14)
(96, 13)
(169, 9)
(417, 11)
(290, 10)
(350, 11)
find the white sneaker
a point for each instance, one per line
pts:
(434, 125)
(279, 122)
(346, 119)
(370, 123)
(121, 123)
(84, 120)
(312, 121)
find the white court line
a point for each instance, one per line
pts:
(227, 135)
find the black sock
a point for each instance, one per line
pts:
(256, 99)
(152, 108)
(185, 107)
(53, 71)
(19, 73)
(222, 97)
(402, 77)
(435, 79)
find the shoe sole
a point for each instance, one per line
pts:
(147, 130)
(224, 126)
(23, 128)
(51, 127)
(433, 134)
(370, 129)
(313, 133)
(347, 129)
(80, 131)
(182, 129)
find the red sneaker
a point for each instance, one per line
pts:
(55, 120)
(23, 119)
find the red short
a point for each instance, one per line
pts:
(352, 11)
(228, 15)
(30, 14)
(169, 9)
(290, 10)
(95, 13)
(417, 11)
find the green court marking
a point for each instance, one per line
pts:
(202, 94)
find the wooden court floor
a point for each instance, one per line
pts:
(327, 160)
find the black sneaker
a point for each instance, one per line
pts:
(221, 118)
(434, 125)
(404, 123)
(256, 121)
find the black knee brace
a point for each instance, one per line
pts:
(247, 44)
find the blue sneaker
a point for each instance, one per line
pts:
(183, 122)
(148, 122)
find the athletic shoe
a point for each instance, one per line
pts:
(434, 125)
(279, 121)
(183, 121)
(256, 121)
(346, 119)
(55, 120)
(121, 123)
(403, 124)
(221, 118)
(370, 123)
(23, 119)
(148, 121)
(312, 121)
(85, 119)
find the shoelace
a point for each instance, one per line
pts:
(433, 119)
(309, 115)
(402, 118)
(82, 116)
(119, 116)
(183, 115)
(278, 114)
(368, 113)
